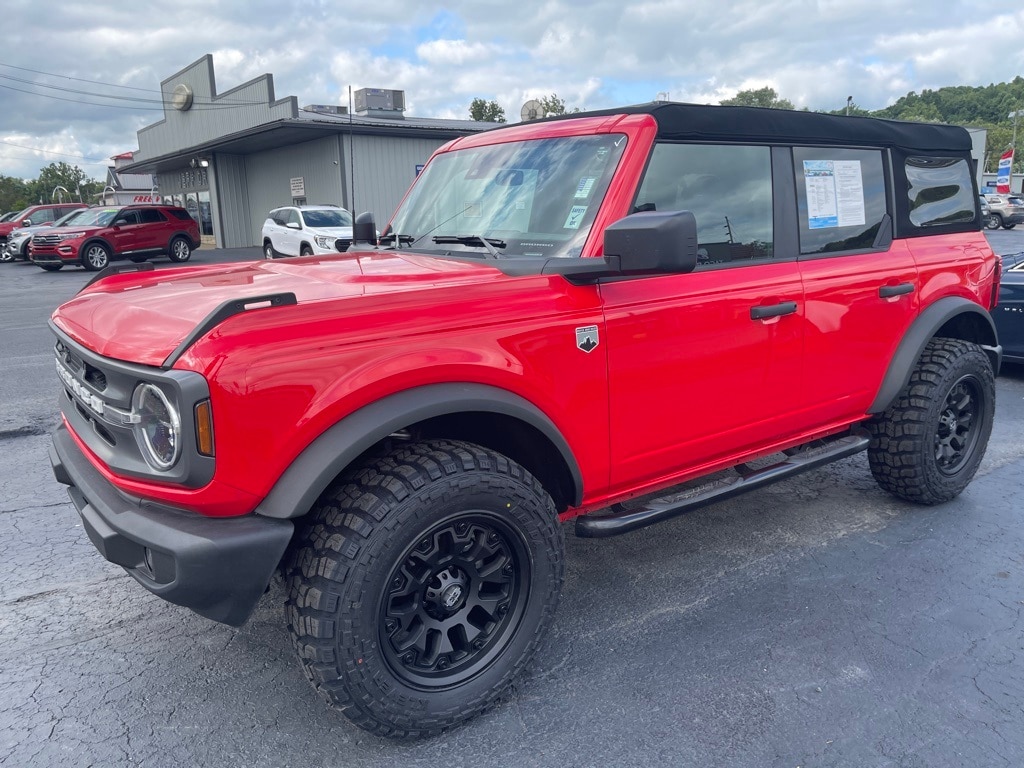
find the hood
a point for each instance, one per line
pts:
(142, 317)
(331, 231)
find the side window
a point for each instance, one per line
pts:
(126, 218)
(940, 191)
(150, 215)
(728, 188)
(292, 217)
(840, 196)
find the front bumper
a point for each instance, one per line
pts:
(218, 567)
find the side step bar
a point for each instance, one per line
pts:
(623, 519)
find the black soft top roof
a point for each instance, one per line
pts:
(703, 122)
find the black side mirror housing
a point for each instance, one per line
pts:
(653, 242)
(364, 229)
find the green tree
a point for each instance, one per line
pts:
(486, 111)
(552, 105)
(14, 194)
(762, 97)
(59, 181)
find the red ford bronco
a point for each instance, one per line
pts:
(611, 318)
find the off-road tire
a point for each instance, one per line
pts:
(95, 257)
(179, 251)
(423, 586)
(927, 446)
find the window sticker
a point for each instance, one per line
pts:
(584, 187)
(575, 217)
(835, 193)
(472, 209)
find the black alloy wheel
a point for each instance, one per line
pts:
(453, 600)
(960, 425)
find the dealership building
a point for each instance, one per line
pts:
(229, 158)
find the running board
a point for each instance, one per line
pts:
(623, 519)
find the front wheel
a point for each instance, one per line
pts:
(927, 446)
(96, 257)
(268, 250)
(180, 250)
(994, 221)
(305, 251)
(424, 585)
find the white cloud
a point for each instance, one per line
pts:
(592, 54)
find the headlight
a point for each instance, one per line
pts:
(70, 235)
(157, 426)
(325, 241)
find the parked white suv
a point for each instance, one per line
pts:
(306, 230)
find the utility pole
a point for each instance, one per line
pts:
(849, 101)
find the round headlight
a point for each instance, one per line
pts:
(158, 426)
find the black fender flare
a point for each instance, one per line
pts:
(322, 460)
(923, 329)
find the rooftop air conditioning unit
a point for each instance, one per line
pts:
(379, 102)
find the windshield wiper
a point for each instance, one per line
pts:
(397, 239)
(492, 244)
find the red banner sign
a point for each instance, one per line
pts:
(1004, 172)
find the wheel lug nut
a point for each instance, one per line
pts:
(390, 625)
(442, 663)
(461, 528)
(409, 658)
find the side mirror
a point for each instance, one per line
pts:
(653, 242)
(293, 225)
(26, 222)
(364, 230)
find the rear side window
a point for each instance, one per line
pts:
(179, 213)
(940, 191)
(727, 187)
(841, 198)
(149, 215)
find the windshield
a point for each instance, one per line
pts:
(525, 198)
(88, 217)
(330, 218)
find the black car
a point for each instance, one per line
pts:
(1009, 315)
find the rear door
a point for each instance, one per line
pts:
(155, 232)
(861, 288)
(707, 365)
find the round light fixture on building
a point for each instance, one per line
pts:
(181, 98)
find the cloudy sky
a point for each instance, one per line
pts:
(78, 79)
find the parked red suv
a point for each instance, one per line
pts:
(612, 318)
(134, 232)
(35, 215)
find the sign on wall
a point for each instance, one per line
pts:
(298, 187)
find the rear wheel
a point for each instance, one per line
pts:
(1009, 226)
(424, 585)
(96, 256)
(180, 250)
(927, 446)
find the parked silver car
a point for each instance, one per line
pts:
(1006, 211)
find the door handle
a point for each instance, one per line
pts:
(773, 310)
(888, 291)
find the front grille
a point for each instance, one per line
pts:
(342, 243)
(45, 239)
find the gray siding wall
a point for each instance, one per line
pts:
(384, 168)
(229, 196)
(269, 175)
(212, 115)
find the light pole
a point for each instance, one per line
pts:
(849, 101)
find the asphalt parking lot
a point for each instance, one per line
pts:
(817, 622)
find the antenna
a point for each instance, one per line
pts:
(531, 110)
